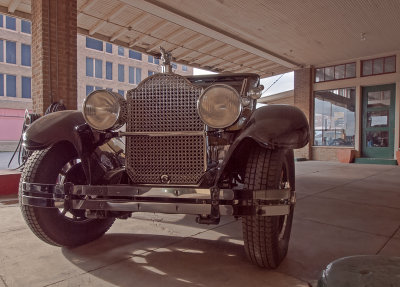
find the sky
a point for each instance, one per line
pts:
(285, 82)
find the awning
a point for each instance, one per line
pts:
(265, 37)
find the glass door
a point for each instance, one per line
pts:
(378, 121)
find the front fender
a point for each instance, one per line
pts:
(273, 126)
(281, 126)
(70, 126)
(52, 128)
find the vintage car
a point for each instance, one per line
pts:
(191, 145)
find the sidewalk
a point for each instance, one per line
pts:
(342, 210)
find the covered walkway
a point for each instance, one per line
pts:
(342, 210)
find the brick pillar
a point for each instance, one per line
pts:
(303, 99)
(54, 56)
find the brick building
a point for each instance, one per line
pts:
(100, 65)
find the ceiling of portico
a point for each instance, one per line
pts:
(266, 37)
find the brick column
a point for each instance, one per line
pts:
(54, 56)
(303, 99)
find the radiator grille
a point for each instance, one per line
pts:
(164, 103)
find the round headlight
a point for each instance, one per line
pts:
(219, 106)
(104, 110)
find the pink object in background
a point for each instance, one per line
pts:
(11, 122)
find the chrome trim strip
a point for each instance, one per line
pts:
(58, 191)
(205, 148)
(172, 208)
(162, 134)
(243, 89)
(272, 194)
(142, 192)
(274, 210)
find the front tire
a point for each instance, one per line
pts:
(59, 164)
(266, 238)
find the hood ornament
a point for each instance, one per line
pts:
(166, 58)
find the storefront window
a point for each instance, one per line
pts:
(378, 66)
(338, 72)
(334, 118)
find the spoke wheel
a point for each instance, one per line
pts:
(72, 172)
(61, 227)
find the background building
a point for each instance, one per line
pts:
(15, 78)
(353, 109)
(101, 65)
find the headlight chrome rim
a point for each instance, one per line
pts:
(108, 97)
(234, 117)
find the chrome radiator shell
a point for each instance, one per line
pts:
(161, 104)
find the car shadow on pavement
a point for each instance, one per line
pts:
(154, 260)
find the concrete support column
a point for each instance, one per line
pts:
(54, 53)
(303, 99)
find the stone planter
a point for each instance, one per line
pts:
(346, 155)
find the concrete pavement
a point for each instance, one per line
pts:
(342, 210)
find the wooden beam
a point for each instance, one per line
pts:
(202, 56)
(228, 60)
(85, 8)
(256, 61)
(226, 53)
(188, 41)
(148, 32)
(265, 65)
(232, 69)
(246, 58)
(220, 65)
(122, 31)
(243, 70)
(223, 46)
(194, 49)
(17, 13)
(246, 69)
(169, 36)
(143, 50)
(221, 60)
(270, 67)
(109, 18)
(238, 67)
(213, 59)
(163, 10)
(209, 53)
(97, 27)
(239, 56)
(87, 5)
(13, 5)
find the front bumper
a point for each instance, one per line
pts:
(140, 198)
